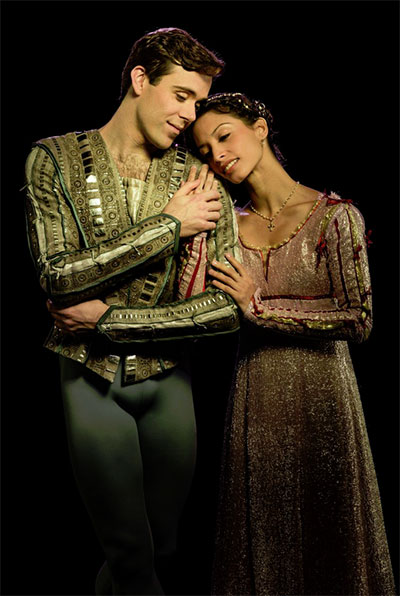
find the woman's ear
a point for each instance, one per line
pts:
(261, 128)
(138, 78)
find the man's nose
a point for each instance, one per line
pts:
(188, 112)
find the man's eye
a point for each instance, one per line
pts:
(180, 97)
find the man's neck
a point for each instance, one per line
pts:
(123, 137)
(131, 154)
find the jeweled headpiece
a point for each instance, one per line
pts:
(239, 103)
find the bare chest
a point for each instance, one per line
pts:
(132, 166)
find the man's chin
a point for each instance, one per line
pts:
(164, 144)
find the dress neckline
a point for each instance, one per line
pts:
(316, 203)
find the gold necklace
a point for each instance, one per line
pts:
(270, 219)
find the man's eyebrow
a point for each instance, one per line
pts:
(186, 89)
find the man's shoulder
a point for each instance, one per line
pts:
(191, 160)
(60, 140)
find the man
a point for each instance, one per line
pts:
(106, 210)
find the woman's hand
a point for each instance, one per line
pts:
(234, 280)
(205, 178)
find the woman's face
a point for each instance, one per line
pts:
(232, 148)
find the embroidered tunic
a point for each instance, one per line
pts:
(300, 510)
(94, 234)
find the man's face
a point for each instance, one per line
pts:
(166, 109)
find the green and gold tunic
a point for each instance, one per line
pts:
(94, 234)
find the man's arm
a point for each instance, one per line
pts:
(209, 313)
(72, 272)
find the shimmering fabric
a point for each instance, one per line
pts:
(300, 510)
(93, 233)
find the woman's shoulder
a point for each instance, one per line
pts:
(333, 202)
(339, 212)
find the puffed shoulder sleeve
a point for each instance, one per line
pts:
(70, 271)
(348, 310)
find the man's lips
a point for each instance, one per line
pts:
(177, 129)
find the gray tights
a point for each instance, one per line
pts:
(133, 453)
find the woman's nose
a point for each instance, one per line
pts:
(218, 156)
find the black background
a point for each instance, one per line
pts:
(329, 72)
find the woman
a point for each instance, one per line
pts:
(300, 510)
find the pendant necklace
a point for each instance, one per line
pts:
(270, 219)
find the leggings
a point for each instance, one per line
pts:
(133, 453)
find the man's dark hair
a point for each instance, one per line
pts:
(159, 50)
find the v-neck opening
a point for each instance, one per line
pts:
(277, 245)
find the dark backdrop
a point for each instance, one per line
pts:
(329, 72)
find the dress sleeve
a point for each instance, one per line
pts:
(348, 310)
(69, 270)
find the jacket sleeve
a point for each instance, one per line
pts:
(348, 312)
(69, 270)
(209, 313)
(201, 310)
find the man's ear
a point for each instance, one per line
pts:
(139, 79)
(261, 128)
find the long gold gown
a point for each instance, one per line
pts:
(300, 510)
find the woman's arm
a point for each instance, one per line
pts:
(349, 312)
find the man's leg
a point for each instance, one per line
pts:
(167, 435)
(107, 462)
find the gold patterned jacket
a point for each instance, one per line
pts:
(94, 234)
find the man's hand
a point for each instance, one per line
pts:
(196, 203)
(78, 318)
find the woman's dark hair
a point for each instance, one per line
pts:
(242, 107)
(159, 50)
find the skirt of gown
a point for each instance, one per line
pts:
(300, 510)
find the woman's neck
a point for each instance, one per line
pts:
(269, 185)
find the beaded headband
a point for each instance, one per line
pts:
(239, 101)
(242, 106)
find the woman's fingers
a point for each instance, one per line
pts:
(229, 271)
(225, 288)
(210, 182)
(204, 180)
(202, 177)
(235, 263)
(228, 280)
(187, 188)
